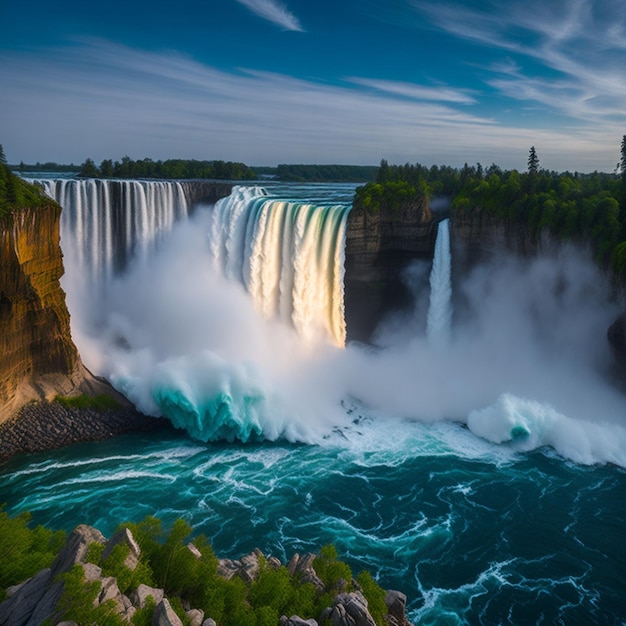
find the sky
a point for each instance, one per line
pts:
(326, 81)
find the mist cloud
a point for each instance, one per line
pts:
(524, 366)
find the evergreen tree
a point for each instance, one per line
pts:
(3, 158)
(533, 161)
(622, 162)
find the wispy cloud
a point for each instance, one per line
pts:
(274, 12)
(104, 100)
(569, 55)
(416, 92)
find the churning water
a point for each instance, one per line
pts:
(482, 475)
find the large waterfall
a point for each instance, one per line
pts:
(289, 256)
(104, 223)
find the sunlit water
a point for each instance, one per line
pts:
(512, 513)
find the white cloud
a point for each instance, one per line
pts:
(417, 92)
(105, 100)
(569, 55)
(274, 12)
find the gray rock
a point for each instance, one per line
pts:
(209, 622)
(124, 536)
(110, 591)
(92, 572)
(396, 607)
(67, 624)
(295, 620)
(164, 615)
(196, 617)
(227, 568)
(139, 596)
(75, 548)
(350, 609)
(17, 609)
(194, 550)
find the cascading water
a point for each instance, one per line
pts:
(106, 223)
(289, 256)
(440, 307)
(493, 528)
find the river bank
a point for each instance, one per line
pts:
(42, 426)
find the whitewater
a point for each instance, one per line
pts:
(473, 458)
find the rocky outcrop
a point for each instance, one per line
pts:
(39, 599)
(38, 359)
(379, 246)
(205, 192)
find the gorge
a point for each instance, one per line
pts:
(415, 446)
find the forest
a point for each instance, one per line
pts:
(589, 208)
(171, 168)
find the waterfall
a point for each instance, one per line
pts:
(288, 255)
(106, 223)
(440, 307)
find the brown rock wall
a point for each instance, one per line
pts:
(379, 246)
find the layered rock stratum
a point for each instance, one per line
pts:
(38, 359)
(379, 246)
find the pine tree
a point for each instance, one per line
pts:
(533, 161)
(3, 158)
(622, 162)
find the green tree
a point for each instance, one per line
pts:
(3, 158)
(88, 169)
(533, 161)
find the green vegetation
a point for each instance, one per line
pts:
(172, 168)
(49, 166)
(322, 173)
(166, 562)
(16, 193)
(25, 551)
(589, 208)
(99, 403)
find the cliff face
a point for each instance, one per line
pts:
(37, 356)
(379, 246)
(476, 234)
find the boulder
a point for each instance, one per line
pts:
(139, 596)
(350, 609)
(164, 615)
(396, 607)
(196, 617)
(17, 609)
(294, 620)
(124, 537)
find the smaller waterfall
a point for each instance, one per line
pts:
(440, 307)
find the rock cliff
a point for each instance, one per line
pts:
(379, 246)
(37, 356)
(476, 234)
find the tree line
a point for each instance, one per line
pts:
(323, 173)
(171, 168)
(590, 208)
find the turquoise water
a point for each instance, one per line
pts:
(513, 513)
(471, 532)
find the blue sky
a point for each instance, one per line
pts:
(325, 81)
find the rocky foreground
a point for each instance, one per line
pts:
(47, 425)
(37, 600)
